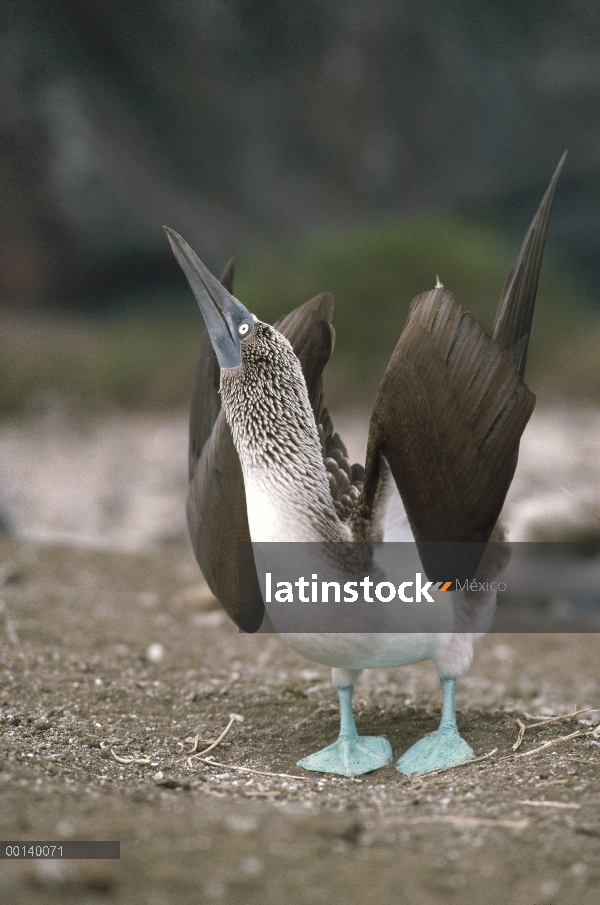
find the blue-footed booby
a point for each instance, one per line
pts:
(265, 464)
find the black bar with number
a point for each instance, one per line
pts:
(61, 851)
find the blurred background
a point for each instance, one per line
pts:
(360, 147)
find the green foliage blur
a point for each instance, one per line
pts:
(145, 358)
(374, 274)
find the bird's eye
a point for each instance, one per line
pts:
(243, 329)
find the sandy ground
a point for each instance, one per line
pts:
(126, 652)
(111, 647)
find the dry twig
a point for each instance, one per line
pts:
(542, 720)
(215, 763)
(554, 741)
(579, 733)
(520, 736)
(233, 718)
(553, 719)
(549, 804)
(130, 760)
(195, 740)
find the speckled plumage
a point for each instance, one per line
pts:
(266, 404)
(442, 450)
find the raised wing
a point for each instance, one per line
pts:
(515, 309)
(452, 404)
(216, 506)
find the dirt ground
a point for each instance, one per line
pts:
(127, 652)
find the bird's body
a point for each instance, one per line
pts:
(443, 445)
(288, 500)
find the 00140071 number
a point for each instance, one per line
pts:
(34, 851)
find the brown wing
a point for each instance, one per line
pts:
(216, 506)
(452, 404)
(515, 309)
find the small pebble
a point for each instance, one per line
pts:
(155, 652)
(42, 723)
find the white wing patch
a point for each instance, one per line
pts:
(389, 520)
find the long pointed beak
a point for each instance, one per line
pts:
(228, 322)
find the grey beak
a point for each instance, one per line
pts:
(228, 322)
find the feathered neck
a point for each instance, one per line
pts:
(266, 404)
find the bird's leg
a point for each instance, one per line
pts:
(352, 754)
(439, 749)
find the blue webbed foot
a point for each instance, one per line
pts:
(439, 749)
(350, 756)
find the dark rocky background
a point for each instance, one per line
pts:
(239, 122)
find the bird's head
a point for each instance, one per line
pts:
(228, 322)
(262, 386)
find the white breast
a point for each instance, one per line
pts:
(276, 515)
